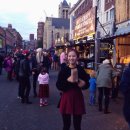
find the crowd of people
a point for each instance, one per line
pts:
(71, 80)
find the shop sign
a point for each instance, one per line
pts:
(85, 24)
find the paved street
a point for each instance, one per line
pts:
(17, 116)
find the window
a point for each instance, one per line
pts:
(107, 16)
(112, 14)
(99, 5)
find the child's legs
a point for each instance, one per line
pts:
(92, 97)
(41, 100)
(44, 100)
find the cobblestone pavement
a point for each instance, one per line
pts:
(17, 116)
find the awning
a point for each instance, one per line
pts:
(122, 31)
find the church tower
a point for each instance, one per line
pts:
(64, 9)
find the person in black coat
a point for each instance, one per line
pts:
(24, 78)
(1, 63)
(46, 61)
(125, 88)
(34, 73)
(71, 80)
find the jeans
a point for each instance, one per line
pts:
(92, 97)
(103, 92)
(25, 87)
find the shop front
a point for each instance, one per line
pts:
(123, 45)
(84, 35)
(106, 49)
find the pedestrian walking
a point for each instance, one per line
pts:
(20, 57)
(63, 59)
(105, 74)
(35, 73)
(46, 61)
(24, 77)
(43, 79)
(92, 88)
(8, 64)
(70, 81)
(55, 61)
(1, 63)
(125, 89)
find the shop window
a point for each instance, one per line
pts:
(112, 14)
(99, 5)
(107, 16)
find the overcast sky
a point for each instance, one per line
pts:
(25, 14)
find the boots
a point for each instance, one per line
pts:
(22, 100)
(27, 101)
(106, 111)
(100, 107)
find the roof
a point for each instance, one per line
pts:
(65, 4)
(74, 6)
(61, 22)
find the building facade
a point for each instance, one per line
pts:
(83, 28)
(105, 29)
(32, 42)
(2, 39)
(56, 30)
(64, 9)
(40, 34)
(40, 31)
(31, 37)
(106, 17)
(122, 34)
(17, 36)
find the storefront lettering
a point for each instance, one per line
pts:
(85, 24)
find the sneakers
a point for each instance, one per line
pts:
(19, 97)
(25, 101)
(43, 104)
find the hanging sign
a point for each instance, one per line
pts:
(85, 24)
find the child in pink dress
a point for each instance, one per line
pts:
(43, 79)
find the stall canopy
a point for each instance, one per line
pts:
(122, 31)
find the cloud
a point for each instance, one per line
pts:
(25, 14)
